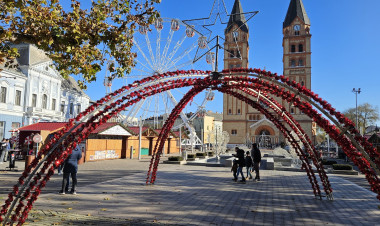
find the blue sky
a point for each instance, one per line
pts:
(345, 44)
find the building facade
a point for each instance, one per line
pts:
(36, 92)
(244, 123)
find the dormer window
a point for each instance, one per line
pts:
(297, 29)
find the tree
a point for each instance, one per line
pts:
(367, 115)
(79, 41)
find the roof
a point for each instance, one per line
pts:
(295, 9)
(49, 126)
(217, 116)
(71, 84)
(237, 17)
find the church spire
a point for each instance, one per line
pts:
(237, 17)
(295, 9)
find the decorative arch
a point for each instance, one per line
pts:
(255, 82)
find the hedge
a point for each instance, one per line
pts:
(175, 158)
(329, 162)
(342, 167)
(201, 154)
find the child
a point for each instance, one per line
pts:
(234, 169)
(248, 165)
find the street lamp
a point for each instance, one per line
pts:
(356, 91)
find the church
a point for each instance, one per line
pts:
(245, 124)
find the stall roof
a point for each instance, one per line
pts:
(48, 126)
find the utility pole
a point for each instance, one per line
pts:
(356, 91)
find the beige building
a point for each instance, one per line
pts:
(244, 123)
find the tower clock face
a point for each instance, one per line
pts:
(236, 34)
(297, 27)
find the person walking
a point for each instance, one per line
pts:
(256, 155)
(248, 165)
(241, 163)
(71, 168)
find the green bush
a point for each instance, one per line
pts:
(329, 162)
(342, 167)
(175, 158)
(200, 154)
(190, 156)
(210, 153)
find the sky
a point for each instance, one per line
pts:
(345, 44)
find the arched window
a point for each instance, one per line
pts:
(293, 49)
(292, 63)
(44, 101)
(300, 63)
(231, 53)
(300, 48)
(71, 108)
(291, 110)
(237, 53)
(229, 111)
(238, 111)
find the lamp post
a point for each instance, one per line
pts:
(356, 91)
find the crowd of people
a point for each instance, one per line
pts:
(251, 160)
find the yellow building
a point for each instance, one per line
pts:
(241, 121)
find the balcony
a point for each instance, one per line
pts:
(43, 112)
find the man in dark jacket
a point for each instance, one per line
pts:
(241, 162)
(71, 167)
(256, 155)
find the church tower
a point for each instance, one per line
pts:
(297, 55)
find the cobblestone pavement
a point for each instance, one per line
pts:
(113, 192)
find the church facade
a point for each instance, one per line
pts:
(245, 124)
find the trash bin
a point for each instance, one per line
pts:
(12, 159)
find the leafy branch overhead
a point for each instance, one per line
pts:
(78, 40)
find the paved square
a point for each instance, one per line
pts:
(198, 195)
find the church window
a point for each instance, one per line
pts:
(234, 132)
(231, 53)
(44, 101)
(18, 98)
(292, 63)
(237, 53)
(229, 111)
(292, 110)
(34, 100)
(3, 95)
(300, 48)
(238, 112)
(293, 49)
(300, 63)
